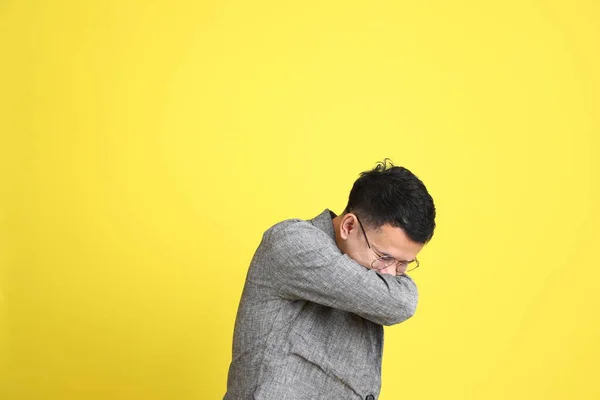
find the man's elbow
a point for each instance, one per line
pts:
(402, 309)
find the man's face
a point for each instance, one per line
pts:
(386, 241)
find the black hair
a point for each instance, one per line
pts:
(393, 195)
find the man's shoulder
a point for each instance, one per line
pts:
(296, 240)
(291, 226)
(293, 230)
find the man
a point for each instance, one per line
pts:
(309, 324)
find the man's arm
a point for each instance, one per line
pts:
(306, 265)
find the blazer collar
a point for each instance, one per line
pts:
(324, 222)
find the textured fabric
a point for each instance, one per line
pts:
(309, 324)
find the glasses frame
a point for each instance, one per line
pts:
(417, 264)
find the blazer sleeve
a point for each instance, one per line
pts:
(306, 264)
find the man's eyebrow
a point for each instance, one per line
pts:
(383, 253)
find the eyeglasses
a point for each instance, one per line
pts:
(382, 261)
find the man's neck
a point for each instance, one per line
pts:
(337, 222)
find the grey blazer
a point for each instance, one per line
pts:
(309, 323)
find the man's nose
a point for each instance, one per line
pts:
(400, 268)
(391, 270)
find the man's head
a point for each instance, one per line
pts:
(389, 215)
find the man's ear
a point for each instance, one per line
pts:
(348, 225)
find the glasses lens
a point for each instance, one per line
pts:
(382, 263)
(412, 265)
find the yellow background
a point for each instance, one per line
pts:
(146, 145)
